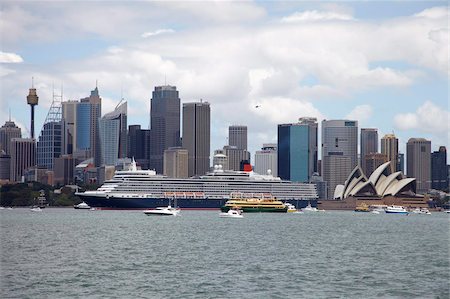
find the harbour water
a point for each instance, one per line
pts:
(67, 253)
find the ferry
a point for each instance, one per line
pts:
(362, 208)
(251, 203)
(396, 210)
(144, 189)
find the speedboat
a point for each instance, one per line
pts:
(421, 211)
(375, 212)
(36, 209)
(290, 207)
(308, 208)
(396, 210)
(82, 206)
(232, 213)
(163, 211)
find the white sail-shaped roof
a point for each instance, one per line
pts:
(391, 179)
(383, 169)
(394, 189)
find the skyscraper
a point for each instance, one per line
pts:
(267, 159)
(89, 111)
(138, 145)
(196, 136)
(418, 162)
(113, 135)
(23, 156)
(389, 147)
(372, 161)
(7, 132)
(165, 123)
(297, 150)
(439, 175)
(339, 151)
(51, 140)
(369, 145)
(237, 136)
(69, 116)
(235, 156)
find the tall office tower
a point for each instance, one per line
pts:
(418, 162)
(389, 147)
(439, 172)
(69, 116)
(88, 112)
(7, 132)
(196, 136)
(369, 145)
(372, 161)
(23, 156)
(339, 151)
(297, 150)
(32, 100)
(113, 135)
(176, 162)
(235, 157)
(267, 159)
(220, 158)
(51, 140)
(138, 145)
(237, 136)
(165, 123)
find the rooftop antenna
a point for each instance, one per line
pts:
(9, 113)
(32, 82)
(96, 83)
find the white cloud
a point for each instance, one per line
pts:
(428, 118)
(156, 32)
(314, 15)
(361, 113)
(6, 57)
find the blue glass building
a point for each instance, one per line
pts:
(83, 126)
(297, 150)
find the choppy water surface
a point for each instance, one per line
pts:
(63, 253)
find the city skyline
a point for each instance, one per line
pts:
(230, 60)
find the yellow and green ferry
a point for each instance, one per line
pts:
(254, 203)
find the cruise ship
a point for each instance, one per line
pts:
(144, 189)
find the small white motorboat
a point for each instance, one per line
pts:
(163, 211)
(36, 209)
(290, 207)
(309, 208)
(82, 206)
(396, 210)
(232, 213)
(421, 211)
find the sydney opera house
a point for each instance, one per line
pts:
(382, 187)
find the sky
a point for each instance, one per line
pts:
(382, 63)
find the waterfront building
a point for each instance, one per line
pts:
(196, 136)
(418, 162)
(113, 135)
(5, 166)
(267, 159)
(235, 156)
(220, 159)
(51, 141)
(372, 161)
(297, 150)
(7, 132)
(389, 147)
(69, 116)
(64, 170)
(23, 156)
(139, 145)
(176, 162)
(165, 123)
(368, 145)
(237, 136)
(339, 151)
(439, 172)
